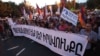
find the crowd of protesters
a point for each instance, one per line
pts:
(5, 30)
(56, 23)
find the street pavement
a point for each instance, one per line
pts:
(21, 46)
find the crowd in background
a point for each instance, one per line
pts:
(5, 30)
(57, 23)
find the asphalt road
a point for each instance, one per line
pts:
(21, 46)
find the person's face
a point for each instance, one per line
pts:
(88, 27)
(61, 23)
(51, 25)
(69, 27)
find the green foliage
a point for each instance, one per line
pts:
(9, 9)
(92, 4)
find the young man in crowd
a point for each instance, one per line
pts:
(91, 37)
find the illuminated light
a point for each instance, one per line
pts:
(58, 4)
(50, 7)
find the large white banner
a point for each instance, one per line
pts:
(65, 44)
(69, 16)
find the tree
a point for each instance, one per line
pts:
(9, 9)
(92, 4)
(15, 10)
(5, 9)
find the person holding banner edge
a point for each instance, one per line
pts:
(92, 38)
